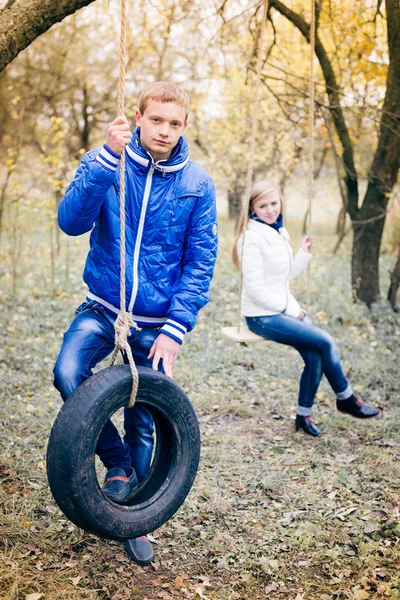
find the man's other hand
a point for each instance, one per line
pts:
(167, 349)
(118, 134)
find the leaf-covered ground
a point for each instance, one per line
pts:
(272, 514)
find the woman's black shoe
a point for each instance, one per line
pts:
(307, 426)
(354, 407)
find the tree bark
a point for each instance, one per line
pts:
(235, 201)
(369, 224)
(333, 92)
(367, 237)
(22, 22)
(394, 283)
(369, 220)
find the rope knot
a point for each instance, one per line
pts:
(122, 326)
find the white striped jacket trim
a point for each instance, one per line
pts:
(172, 168)
(177, 325)
(136, 157)
(145, 162)
(150, 320)
(106, 159)
(176, 330)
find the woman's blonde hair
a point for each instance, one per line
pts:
(258, 190)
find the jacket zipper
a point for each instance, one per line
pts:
(138, 242)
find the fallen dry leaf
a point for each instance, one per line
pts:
(178, 581)
(271, 588)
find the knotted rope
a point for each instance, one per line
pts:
(124, 322)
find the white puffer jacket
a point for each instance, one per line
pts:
(268, 265)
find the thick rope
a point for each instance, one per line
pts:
(244, 211)
(124, 322)
(250, 166)
(311, 141)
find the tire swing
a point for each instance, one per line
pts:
(241, 333)
(71, 449)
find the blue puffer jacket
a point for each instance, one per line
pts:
(171, 233)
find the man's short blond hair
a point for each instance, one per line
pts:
(163, 91)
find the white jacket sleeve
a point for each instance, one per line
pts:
(299, 263)
(253, 278)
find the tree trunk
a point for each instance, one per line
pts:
(368, 230)
(234, 201)
(58, 196)
(369, 220)
(394, 283)
(22, 22)
(369, 223)
(85, 116)
(341, 230)
(365, 260)
(3, 195)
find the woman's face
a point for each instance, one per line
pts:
(268, 207)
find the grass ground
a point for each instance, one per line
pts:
(272, 514)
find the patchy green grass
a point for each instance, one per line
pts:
(272, 514)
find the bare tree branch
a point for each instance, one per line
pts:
(22, 22)
(332, 90)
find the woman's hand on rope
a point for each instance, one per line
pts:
(308, 243)
(118, 134)
(303, 313)
(167, 349)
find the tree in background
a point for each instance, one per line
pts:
(68, 77)
(368, 217)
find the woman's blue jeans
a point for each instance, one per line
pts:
(317, 348)
(89, 339)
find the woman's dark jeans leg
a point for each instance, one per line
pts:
(317, 349)
(309, 381)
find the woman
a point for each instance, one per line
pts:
(272, 312)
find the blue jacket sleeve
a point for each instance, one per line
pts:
(199, 256)
(81, 204)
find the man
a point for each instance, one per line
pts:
(171, 244)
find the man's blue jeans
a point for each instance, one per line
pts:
(89, 339)
(317, 349)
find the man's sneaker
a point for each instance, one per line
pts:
(118, 487)
(307, 426)
(354, 407)
(140, 551)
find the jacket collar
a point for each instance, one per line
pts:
(178, 159)
(268, 233)
(277, 225)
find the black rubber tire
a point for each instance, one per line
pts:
(71, 453)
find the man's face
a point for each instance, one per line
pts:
(161, 126)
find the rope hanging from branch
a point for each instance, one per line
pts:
(253, 135)
(311, 117)
(124, 322)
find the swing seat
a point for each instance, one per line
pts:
(242, 334)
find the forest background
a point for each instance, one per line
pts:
(58, 93)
